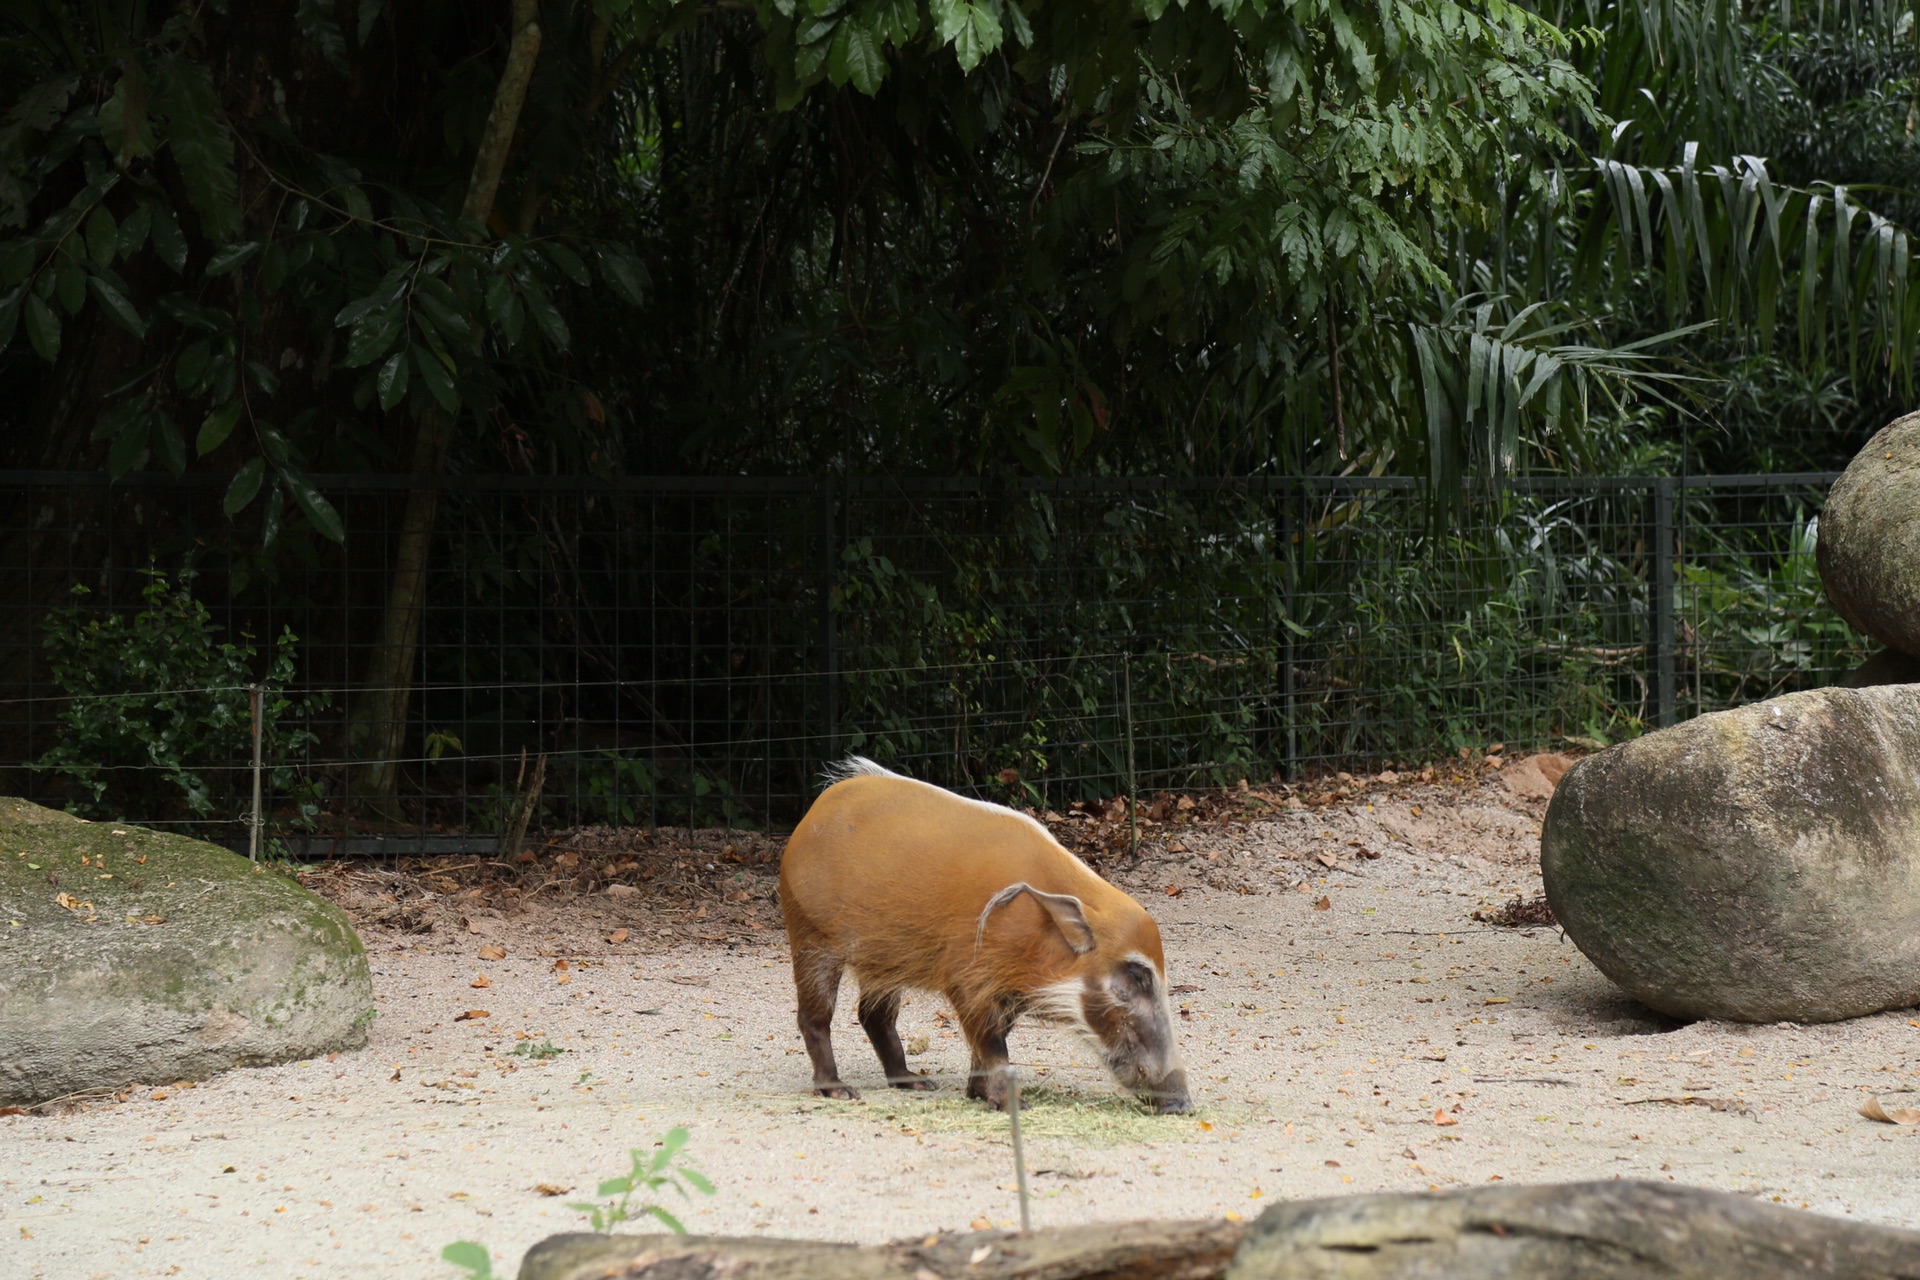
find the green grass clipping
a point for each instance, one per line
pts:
(1047, 1111)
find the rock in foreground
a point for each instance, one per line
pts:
(1576, 1231)
(1756, 865)
(1869, 546)
(128, 955)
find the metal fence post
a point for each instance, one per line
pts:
(1289, 582)
(254, 818)
(829, 655)
(1133, 791)
(1662, 603)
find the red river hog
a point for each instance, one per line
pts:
(915, 888)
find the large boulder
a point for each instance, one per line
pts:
(1573, 1231)
(128, 955)
(1889, 666)
(1869, 545)
(1757, 865)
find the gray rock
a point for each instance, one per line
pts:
(1576, 1231)
(128, 956)
(1889, 666)
(1756, 865)
(1105, 1251)
(1869, 546)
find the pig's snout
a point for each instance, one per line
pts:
(1170, 1096)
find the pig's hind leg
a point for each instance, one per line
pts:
(879, 1014)
(816, 982)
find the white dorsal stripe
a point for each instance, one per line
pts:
(861, 767)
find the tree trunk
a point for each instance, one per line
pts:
(1108, 1251)
(380, 721)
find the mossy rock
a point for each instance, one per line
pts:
(1869, 545)
(129, 955)
(1755, 865)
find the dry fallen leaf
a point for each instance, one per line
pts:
(560, 966)
(471, 1014)
(551, 1188)
(1872, 1110)
(481, 981)
(563, 979)
(1323, 904)
(493, 952)
(1173, 891)
(1442, 1118)
(618, 936)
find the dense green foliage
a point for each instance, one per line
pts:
(936, 235)
(1448, 239)
(158, 723)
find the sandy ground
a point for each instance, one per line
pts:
(1350, 1028)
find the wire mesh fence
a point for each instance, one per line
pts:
(484, 655)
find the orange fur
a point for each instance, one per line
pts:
(888, 877)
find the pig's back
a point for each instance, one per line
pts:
(879, 855)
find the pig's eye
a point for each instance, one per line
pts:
(1133, 980)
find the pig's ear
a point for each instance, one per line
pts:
(1068, 915)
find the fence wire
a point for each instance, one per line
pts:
(693, 651)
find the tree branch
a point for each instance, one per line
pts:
(504, 117)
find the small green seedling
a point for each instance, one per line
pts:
(651, 1172)
(471, 1258)
(542, 1051)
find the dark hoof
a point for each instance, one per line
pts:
(841, 1091)
(1173, 1106)
(919, 1084)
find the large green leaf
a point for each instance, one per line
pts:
(320, 24)
(168, 241)
(244, 485)
(392, 380)
(319, 511)
(218, 426)
(855, 56)
(201, 144)
(232, 257)
(43, 329)
(437, 379)
(374, 335)
(116, 305)
(547, 316)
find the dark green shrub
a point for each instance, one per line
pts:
(158, 726)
